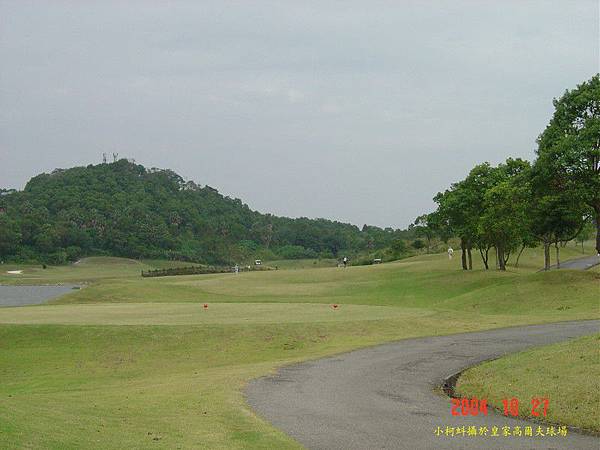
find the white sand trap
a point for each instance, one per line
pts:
(14, 272)
(195, 314)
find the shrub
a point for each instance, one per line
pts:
(295, 252)
(418, 244)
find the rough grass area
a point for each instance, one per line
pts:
(568, 374)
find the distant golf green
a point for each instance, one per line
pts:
(129, 362)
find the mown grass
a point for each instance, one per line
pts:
(430, 282)
(85, 271)
(192, 314)
(568, 374)
(165, 386)
(124, 386)
(141, 364)
(92, 269)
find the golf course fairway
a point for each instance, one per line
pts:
(130, 362)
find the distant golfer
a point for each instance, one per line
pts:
(450, 252)
(345, 261)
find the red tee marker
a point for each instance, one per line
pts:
(205, 306)
(335, 306)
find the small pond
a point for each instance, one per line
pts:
(30, 295)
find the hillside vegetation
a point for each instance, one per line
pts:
(124, 209)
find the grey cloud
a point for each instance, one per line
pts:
(359, 111)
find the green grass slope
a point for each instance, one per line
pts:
(567, 374)
(85, 270)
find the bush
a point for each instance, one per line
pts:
(326, 254)
(295, 252)
(266, 254)
(247, 247)
(57, 258)
(418, 244)
(398, 246)
(198, 270)
(73, 253)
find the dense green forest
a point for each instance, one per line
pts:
(124, 209)
(518, 204)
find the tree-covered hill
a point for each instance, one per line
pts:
(124, 209)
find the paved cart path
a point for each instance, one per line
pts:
(385, 397)
(584, 263)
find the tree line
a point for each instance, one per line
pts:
(125, 209)
(518, 204)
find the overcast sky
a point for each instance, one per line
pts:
(357, 111)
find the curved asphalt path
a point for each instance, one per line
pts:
(587, 262)
(385, 397)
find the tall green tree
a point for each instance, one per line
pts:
(504, 220)
(557, 204)
(423, 229)
(10, 236)
(572, 142)
(586, 233)
(453, 217)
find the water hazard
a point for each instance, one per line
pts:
(30, 295)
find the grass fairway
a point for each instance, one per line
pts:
(84, 271)
(194, 314)
(165, 386)
(131, 362)
(87, 270)
(568, 374)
